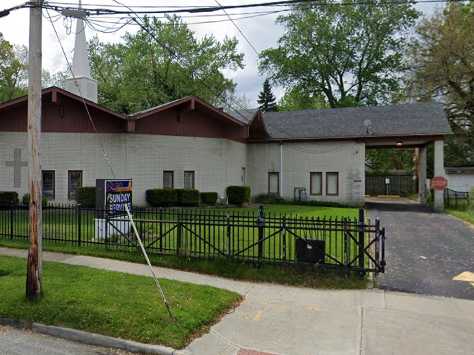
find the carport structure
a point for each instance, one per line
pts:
(411, 126)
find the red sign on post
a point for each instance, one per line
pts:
(439, 183)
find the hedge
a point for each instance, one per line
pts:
(85, 196)
(238, 195)
(8, 198)
(209, 198)
(25, 200)
(188, 197)
(161, 197)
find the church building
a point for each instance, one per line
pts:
(188, 143)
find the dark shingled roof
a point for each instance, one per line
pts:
(417, 119)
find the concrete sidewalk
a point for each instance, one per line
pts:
(288, 320)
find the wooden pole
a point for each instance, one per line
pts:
(34, 267)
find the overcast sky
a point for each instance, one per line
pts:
(262, 32)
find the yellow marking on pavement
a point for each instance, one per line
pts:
(258, 316)
(465, 276)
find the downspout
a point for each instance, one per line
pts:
(281, 169)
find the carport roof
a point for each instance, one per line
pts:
(402, 120)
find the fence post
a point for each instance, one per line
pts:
(361, 241)
(11, 222)
(377, 242)
(346, 246)
(261, 232)
(283, 237)
(161, 229)
(179, 233)
(382, 262)
(78, 212)
(229, 246)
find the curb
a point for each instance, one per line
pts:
(92, 338)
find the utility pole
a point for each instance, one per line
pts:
(34, 267)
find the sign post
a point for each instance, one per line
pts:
(111, 198)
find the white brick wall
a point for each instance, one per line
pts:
(217, 162)
(299, 159)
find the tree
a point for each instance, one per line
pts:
(443, 62)
(266, 99)
(350, 55)
(12, 71)
(145, 70)
(298, 99)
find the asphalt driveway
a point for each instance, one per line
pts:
(425, 250)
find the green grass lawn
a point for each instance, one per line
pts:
(466, 215)
(112, 303)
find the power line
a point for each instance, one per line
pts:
(238, 29)
(177, 57)
(106, 9)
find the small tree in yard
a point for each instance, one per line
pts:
(266, 99)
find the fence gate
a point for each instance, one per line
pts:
(402, 185)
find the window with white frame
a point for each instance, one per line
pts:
(74, 183)
(168, 179)
(274, 183)
(316, 183)
(49, 184)
(332, 184)
(189, 180)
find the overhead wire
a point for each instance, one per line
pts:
(239, 30)
(106, 9)
(174, 54)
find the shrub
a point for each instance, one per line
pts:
(209, 198)
(8, 198)
(25, 200)
(162, 197)
(85, 196)
(188, 197)
(238, 195)
(268, 198)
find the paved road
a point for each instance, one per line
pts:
(425, 250)
(22, 342)
(283, 320)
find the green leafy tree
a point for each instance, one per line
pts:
(12, 71)
(266, 99)
(443, 62)
(298, 99)
(350, 55)
(142, 71)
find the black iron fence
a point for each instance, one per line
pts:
(402, 185)
(351, 244)
(457, 199)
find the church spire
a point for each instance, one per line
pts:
(82, 83)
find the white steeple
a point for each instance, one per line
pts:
(82, 83)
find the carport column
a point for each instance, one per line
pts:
(439, 171)
(422, 173)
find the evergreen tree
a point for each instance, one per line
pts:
(266, 99)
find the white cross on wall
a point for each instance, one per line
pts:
(16, 164)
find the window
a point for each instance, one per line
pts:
(332, 184)
(74, 182)
(274, 183)
(244, 175)
(189, 180)
(315, 183)
(168, 179)
(49, 185)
